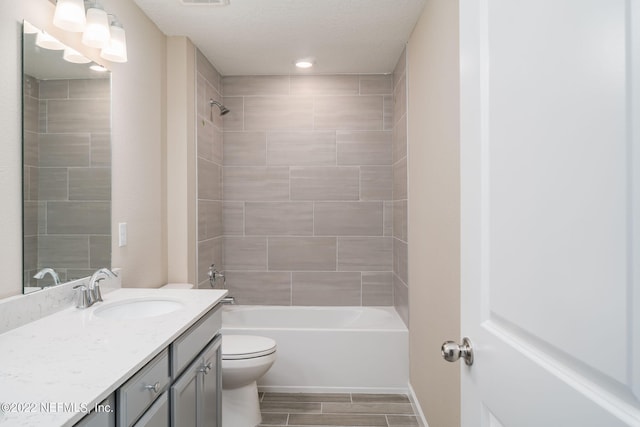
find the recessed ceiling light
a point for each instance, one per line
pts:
(304, 63)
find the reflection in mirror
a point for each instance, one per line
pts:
(66, 165)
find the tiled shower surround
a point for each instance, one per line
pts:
(307, 185)
(67, 182)
(302, 187)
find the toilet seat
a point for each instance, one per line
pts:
(238, 347)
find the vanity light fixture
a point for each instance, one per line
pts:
(98, 67)
(70, 15)
(96, 33)
(116, 49)
(47, 41)
(72, 55)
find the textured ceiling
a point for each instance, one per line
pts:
(251, 37)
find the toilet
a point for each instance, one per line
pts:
(245, 359)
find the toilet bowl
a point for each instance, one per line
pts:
(245, 359)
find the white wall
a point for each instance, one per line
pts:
(434, 209)
(138, 140)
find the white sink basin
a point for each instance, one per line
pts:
(137, 308)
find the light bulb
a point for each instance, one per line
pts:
(96, 33)
(70, 16)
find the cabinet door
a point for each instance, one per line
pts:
(184, 406)
(210, 386)
(157, 415)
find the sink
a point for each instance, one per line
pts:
(137, 309)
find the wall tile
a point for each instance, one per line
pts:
(245, 149)
(400, 220)
(399, 149)
(376, 84)
(325, 183)
(364, 147)
(376, 183)
(301, 148)
(209, 219)
(387, 113)
(234, 119)
(364, 253)
(100, 149)
(401, 260)
(204, 139)
(209, 185)
(279, 218)
(30, 218)
(233, 218)
(90, 184)
(90, 88)
(30, 254)
(326, 288)
(255, 85)
(245, 253)
(348, 112)
(79, 115)
(58, 150)
(208, 72)
(401, 299)
(278, 113)
(264, 288)
(63, 251)
(78, 217)
(400, 68)
(388, 218)
(400, 180)
(30, 148)
(348, 218)
(31, 114)
(256, 183)
(302, 253)
(377, 288)
(400, 98)
(54, 89)
(99, 251)
(52, 184)
(325, 85)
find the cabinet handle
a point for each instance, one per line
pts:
(155, 388)
(206, 368)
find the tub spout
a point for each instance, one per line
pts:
(228, 300)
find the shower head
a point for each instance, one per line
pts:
(223, 110)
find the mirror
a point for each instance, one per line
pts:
(66, 122)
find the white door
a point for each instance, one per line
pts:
(550, 160)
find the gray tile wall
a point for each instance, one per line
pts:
(308, 189)
(209, 148)
(399, 150)
(67, 183)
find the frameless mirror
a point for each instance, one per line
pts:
(66, 119)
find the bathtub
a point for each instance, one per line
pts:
(328, 349)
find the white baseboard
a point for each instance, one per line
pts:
(416, 408)
(313, 389)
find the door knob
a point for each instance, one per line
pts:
(452, 351)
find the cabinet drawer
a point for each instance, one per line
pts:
(189, 344)
(137, 394)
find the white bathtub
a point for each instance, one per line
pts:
(328, 349)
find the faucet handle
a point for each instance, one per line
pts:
(96, 295)
(83, 296)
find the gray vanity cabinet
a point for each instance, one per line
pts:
(180, 387)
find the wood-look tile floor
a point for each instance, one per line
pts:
(336, 409)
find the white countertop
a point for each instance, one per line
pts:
(74, 358)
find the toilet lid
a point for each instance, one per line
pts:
(236, 347)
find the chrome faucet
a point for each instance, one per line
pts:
(94, 283)
(89, 295)
(214, 274)
(50, 271)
